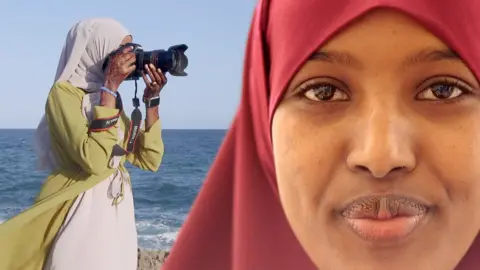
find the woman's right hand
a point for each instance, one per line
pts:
(120, 65)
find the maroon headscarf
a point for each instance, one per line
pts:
(237, 222)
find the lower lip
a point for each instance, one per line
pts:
(386, 230)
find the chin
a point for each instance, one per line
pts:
(401, 260)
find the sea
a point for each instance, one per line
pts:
(162, 199)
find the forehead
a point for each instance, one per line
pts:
(127, 39)
(384, 28)
(384, 37)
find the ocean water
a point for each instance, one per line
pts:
(162, 199)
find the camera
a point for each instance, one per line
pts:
(173, 60)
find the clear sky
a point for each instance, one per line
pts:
(33, 33)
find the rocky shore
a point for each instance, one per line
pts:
(151, 259)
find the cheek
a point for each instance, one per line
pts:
(453, 156)
(305, 158)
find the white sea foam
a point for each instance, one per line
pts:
(155, 235)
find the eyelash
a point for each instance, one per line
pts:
(310, 86)
(448, 82)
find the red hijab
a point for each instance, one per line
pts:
(237, 222)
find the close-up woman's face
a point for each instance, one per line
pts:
(377, 149)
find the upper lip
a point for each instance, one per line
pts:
(381, 207)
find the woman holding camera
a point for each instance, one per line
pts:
(83, 217)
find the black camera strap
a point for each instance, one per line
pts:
(102, 124)
(135, 122)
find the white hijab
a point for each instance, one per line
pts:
(88, 43)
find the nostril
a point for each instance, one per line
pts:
(380, 161)
(400, 168)
(363, 168)
(378, 171)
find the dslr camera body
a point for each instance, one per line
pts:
(173, 60)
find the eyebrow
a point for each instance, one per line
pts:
(342, 58)
(431, 55)
(423, 56)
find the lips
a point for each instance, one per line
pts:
(385, 218)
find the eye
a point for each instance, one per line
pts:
(323, 92)
(446, 90)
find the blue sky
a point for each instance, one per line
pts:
(33, 33)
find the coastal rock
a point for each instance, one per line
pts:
(151, 259)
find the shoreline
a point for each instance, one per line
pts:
(151, 259)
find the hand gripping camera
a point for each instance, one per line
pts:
(173, 60)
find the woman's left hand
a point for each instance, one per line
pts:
(155, 83)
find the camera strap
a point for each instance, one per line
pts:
(135, 122)
(102, 124)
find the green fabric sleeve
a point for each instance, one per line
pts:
(90, 150)
(149, 149)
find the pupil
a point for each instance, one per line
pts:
(325, 92)
(442, 91)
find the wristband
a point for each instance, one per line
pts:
(103, 88)
(101, 124)
(152, 102)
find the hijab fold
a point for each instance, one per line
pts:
(237, 221)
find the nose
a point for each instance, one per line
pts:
(381, 144)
